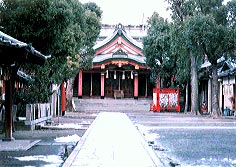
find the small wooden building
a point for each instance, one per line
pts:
(226, 80)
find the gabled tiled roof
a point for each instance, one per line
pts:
(229, 67)
(7, 41)
(119, 35)
(118, 30)
(119, 46)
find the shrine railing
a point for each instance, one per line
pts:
(165, 99)
(36, 113)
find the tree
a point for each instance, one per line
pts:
(214, 39)
(182, 75)
(57, 27)
(92, 29)
(206, 37)
(182, 10)
(205, 31)
(156, 48)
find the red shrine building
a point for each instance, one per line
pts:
(119, 66)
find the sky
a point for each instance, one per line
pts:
(133, 12)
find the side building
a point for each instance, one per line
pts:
(119, 66)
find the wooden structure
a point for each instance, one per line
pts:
(13, 54)
(227, 89)
(165, 99)
(119, 69)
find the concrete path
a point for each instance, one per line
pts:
(112, 141)
(17, 145)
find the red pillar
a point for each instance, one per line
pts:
(102, 85)
(80, 86)
(63, 98)
(136, 85)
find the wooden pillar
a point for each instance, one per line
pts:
(80, 86)
(102, 84)
(135, 85)
(91, 84)
(8, 110)
(63, 98)
(146, 87)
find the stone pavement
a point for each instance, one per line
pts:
(17, 145)
(112, 141)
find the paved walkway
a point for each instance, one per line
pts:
(17, 145)
(112, 141)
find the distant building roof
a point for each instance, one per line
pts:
(137, 32)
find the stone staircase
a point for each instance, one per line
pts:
(112, 105)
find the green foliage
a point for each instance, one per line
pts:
(198, 26)
(156, 47)
(67, 30)
(93, 8)
(179, 49)
(203, 30)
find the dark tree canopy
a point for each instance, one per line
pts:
(67, 30)
(157, 47)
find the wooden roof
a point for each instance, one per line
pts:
(13, 50)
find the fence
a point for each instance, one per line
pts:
(36, 113)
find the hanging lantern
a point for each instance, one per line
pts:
(107, 74)
(102, 66)
(123, 75)
(114, 74)
(131, 75)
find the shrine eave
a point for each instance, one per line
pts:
(107, 57)
(24, 76)
(10, 45)
(129, 58)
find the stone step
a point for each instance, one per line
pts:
(113, 101)
(120, 105)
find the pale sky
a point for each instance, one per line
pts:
(130, 11)
(134, 12)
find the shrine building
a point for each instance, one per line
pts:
(119, 66)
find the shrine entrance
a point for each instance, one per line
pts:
(119, 83)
